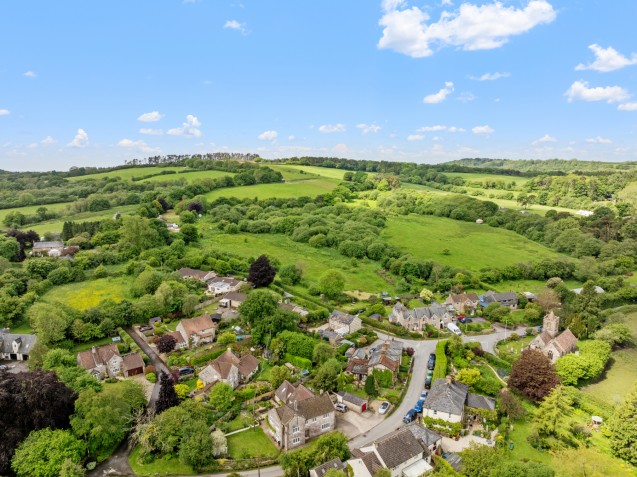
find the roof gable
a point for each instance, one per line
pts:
(446, 396)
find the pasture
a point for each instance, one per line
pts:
(87, 294)
(471, 177)
(127, 174)
(469, 245)
(330, 173)
(286, 190)
(31, 209)
(359, 275)
(57, 224)
(188, 175)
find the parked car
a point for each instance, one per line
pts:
(428, 379)
(339, 406)
(186, 371)
(384, 407)
(410, 416)
(431, 364)
(423, 394)
(465, 320)
(419, 405)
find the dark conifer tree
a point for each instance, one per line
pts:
(167, 396)
(261, 273)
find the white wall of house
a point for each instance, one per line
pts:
(446, 416)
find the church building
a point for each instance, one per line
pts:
(552, 344)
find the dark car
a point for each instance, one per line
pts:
(410, 416)
(419, 405)
(185, 371)
(431, 364)
(428, 379)
(466, 320)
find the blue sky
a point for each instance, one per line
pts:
(97, 83)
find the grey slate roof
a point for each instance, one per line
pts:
(424, 435)
(46, 245)
(446, 397)
(330, 464)
(26, 343)
(478, 401)
(398, 447)
(356, 400)
(341, 317)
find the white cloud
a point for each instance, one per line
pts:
(332, 128)
(486, 129)
(610, 94)
(438, 127)
(139, 145)
(340, 148)
(490, 76)
(607, 59)
(80, 139)
(29, 74)
(48, 140)
(268, 135)
(627, 107)
(544, 139)
(415, 137)
(151, 132)
(189, 129)
(4, 112)
(454, 129)
(599, 140)
(151, 117)
(470, 27)
(235, 25)
(440, 96)
(291, 137)
(367, 128)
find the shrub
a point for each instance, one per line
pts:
(151, 377)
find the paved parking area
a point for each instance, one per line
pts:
(15, 366)
(353, 424)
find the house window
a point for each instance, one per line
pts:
(550, 354)
(296, 440)
(313, 420)
(435, 413)
(296, 430)
(327, 425)
(326, 416)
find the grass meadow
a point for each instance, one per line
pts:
(31, 209)
(471, 246)
(127, 174)
(57, 224)
(477, 177)
(286, 190)
(189, 176)
(84, 295)
(330, 173)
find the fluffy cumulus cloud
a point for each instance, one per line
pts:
(138, 145)
(627, 107)
(48, 140)
(151, 132)
(415, 137)
(544, 139)
(151, 117)
(610, 94)
(268, 135)
(438, 128)
(29, 74)
(367, 128)
(80, 139)
(490, 76)
(189, 129)
(599, 140)
(332, 128)
(4, 112)
(235, 25)
(440, 96)
(486, 129)
(607, 59)
(470, 27)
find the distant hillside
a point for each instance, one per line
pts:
(548, 165)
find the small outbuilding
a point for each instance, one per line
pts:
(353, 402)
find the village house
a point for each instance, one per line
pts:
(287, 393)
(15, 347)
(287, 306)
(295, 422)
(230, 369)
(417, 319)
(180, 342)
(509, 299)
(195, 274)
(552, 344)
(463, 302)
(385, 358)
(450, 401)
(132, 365)
(197, 331)
(232, 300)
(220, 286)
(430, 440)
(344, 323)
(101, 361)
(47, 249)
(322, 469)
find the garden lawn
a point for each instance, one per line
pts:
(87, 294)
(127, 174)
(89, 344)
(251, 443)
(315, 261)
(22, 328)
(621, 372)
(189, 176)
(471, 246)
(515, 347)
(521, 448)
(285, 190)
(168, 465)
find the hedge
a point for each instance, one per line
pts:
(298, 362)
(440, 369)
(205, 358)
(497, 362)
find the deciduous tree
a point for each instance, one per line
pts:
(623, 429)
(533, 375)
(332, 283)
(44, 452)
(166, 343)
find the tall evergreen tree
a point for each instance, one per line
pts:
(261, 273)
(167, 395)
(623, 428)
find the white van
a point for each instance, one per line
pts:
(454, 328)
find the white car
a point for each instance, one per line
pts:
(383, 407)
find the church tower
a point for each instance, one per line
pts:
(551, 324)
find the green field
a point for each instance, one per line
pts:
(477, 177)
(328, 172)
(84, 295)
(286, 190)
(189, 176)
(471, 246)
(315, 261)
(31, 209)
(621, 374)
(127, 174)
(292, 173)
(57, 224)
